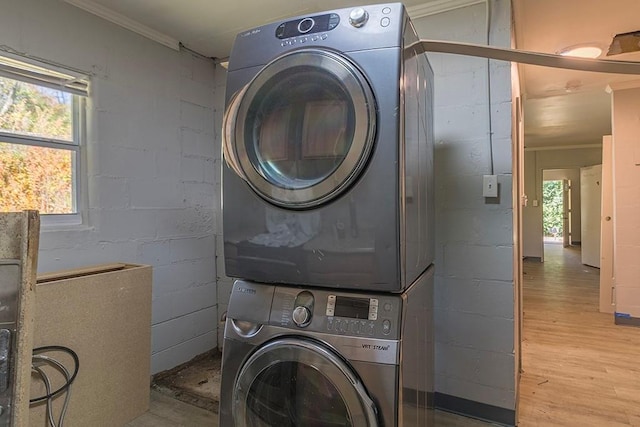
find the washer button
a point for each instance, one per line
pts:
(386, 10)
(385, 22)
(386, 327)
(329, 324)
(387, 306)
(324, 37)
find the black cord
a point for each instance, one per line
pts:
(66, 386)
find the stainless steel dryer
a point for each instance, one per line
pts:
(328, 142)
(318, 357)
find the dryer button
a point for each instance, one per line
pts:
(358, 17)
(385, 22)
(386, 10)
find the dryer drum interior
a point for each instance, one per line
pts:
(302, 130)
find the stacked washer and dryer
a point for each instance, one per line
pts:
(328, 223)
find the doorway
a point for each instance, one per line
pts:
(554, 227)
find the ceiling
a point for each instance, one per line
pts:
(561, 107)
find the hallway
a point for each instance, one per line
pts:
(579, 369)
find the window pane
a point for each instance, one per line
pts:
(34, 110)
(36, 178)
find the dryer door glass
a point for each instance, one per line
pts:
(294, 382)
(303, 128)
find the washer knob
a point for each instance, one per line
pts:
(301, 316)
(358, 17)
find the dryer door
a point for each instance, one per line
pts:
(296, 382)
(302, 130)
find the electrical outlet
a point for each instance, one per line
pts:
(490, 185)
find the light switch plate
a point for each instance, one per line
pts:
(490, 185)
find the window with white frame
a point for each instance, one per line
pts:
(41, 132)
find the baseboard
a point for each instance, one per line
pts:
(626, 320)
(418, 397)
(473, 409)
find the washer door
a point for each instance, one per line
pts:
(302, 130)
(294, 382)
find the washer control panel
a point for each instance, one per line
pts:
(360, 316)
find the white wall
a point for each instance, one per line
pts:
(150, 165)
(626, 177)
(535, 163)
(474, 239)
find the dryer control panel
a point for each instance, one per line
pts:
(307, 25)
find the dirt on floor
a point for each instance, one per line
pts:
(196, 382)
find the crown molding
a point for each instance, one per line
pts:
(624, 85)
(125, 22)
(439, 6)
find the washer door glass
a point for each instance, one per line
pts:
(293, 382)
(301, 131)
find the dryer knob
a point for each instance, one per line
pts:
(301, 316)
(358, 17)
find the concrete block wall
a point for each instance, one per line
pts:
(224, 283)
(150, 165)
(474, 293)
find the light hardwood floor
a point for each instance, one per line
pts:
(579, 368)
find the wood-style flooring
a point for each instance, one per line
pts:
(580, 369)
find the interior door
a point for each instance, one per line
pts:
(607, 283)
(590, 196)
(297, 382)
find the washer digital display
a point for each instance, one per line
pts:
(352, 307)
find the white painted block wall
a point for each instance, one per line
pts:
(474, 294)
(151, 172)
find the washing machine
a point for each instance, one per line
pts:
(322, 357)
(328, 148)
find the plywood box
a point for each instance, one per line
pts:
(104, 315)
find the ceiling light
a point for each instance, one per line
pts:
(582, 51)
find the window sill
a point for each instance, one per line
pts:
(71, 222)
